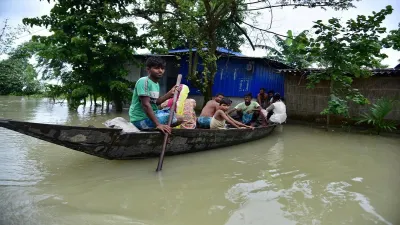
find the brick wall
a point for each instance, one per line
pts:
(303, 103)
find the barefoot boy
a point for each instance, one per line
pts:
(220, 117)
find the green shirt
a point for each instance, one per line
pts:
(143, 87)
(247, 108)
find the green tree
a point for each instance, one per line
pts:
(17, 75)
(168, 29)
(203, 24)
(8, 35)
(291, 51)
(207, 24)
(10, 77)
(393, 40)
(91, 42)
(334, 4)
(53, 91)
(345, 53)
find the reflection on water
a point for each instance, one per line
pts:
(297, 175)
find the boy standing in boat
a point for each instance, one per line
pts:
(208, 111)
(143, 112)
(218, 121)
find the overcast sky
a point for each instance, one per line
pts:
(285, 19)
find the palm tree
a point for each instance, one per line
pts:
(376, 115)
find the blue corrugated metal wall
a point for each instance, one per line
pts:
(183, 69)
(233, 79)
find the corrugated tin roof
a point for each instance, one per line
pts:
(237, 55)
(219, 49)
(379, 72)
(263, 60)
(148, 55)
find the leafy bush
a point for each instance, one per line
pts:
(53, 91)
(79, 93)
(377, 113)
(336, 106)
(120, 93)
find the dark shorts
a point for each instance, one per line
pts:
(204, 122)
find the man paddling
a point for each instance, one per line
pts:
(208, 111)
(143, 112)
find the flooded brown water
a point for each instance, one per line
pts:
(298, 175)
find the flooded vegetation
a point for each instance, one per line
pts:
(297, 175)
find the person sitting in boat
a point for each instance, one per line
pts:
(184, 107)
(278, 109)
(218, 121)
(208, 112)
(269, 101)
(143, 112)
(248, 111)
(270, 97)
(262, 98)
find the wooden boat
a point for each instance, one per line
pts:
(112, 143)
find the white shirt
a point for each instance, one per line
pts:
(279, 109)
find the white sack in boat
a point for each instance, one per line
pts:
(121, 123)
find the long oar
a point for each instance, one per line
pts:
(171, 116)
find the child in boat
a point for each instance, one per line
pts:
(208, 112)
(220, 117)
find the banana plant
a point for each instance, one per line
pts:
(291, 51)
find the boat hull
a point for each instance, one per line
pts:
(111, 143)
